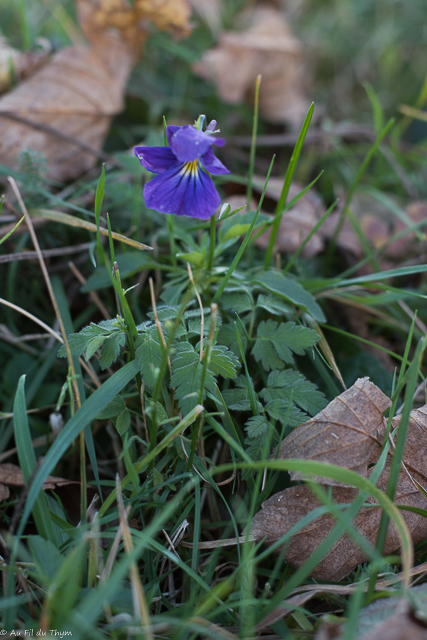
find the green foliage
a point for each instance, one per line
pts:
(289, 385)
(261, 436)
(276, 342)
(187, 372)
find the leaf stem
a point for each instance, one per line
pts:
(212, 242)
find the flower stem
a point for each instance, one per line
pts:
(169, 221)
(212, 242)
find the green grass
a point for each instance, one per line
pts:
(180, 402)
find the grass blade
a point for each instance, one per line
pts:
(28, 462)
(286, 185)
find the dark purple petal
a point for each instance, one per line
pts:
(189, 143)
(156, 159)
(182, 192)
(170, 130)
(212, 164)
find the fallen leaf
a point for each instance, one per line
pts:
(11, 474)
(285, 509)
(345, 433)
(16, 65)
(296, 222)
(392, 618)
(64, 110)
(355, 417)
(266, 47)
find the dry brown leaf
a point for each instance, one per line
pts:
(348, 427)
(64, 110)
(11, 474)
(345, 433)
(15, 64)
(285, 509)
(269, 48)
(402, 624)
(297, 222)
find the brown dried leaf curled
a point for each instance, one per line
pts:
(285, 509)
(67, 106)
(345, 433)
(266, 47)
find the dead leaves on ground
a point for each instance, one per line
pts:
(267, 47)
(349, 432)
(64, 110)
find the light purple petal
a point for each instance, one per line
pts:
(212, 164)
(183, 193)
(156, 159)
(189, 143)
(170, 130)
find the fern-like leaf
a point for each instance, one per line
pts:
(276, 342)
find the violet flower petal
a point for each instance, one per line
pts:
(170, 130)
(184, 191)
(212, 164)
(189, 143)
(156, 159)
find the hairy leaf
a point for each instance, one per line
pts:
(149, 355)
(288, 384)
(291, 291)
(276, 342)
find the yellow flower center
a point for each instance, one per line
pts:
(190, 167)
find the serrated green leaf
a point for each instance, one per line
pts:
(261, 436)
(79, 342)
(274, 305)
(237, 399)
(111, 348)
(288, 383)
(276, 342)
(93, 345)
(123, 423)
(237, 302)
(291, 291)
(279, 410)
(223, 362)
(112, 409)
(149, 356)
(186, 376)
(227, 336)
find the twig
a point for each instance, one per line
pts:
(39, 126)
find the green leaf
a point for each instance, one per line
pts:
(93, 345)
(113, 409)
(237, 301)
(123, 423)
(149, 356)
(111, 348)
(223, 362)
(238, 399)
(28, 463)
(291, 291)
(280, 410)
(186, 376)
(87, 412)
(275, 343)
(261, 436)
(288, 384)
(227, 336)
(274, 305)
(46, 556)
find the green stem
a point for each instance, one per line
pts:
(169, 221)
(253, 143)
(212, 242)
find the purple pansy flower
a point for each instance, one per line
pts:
(182, 187)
